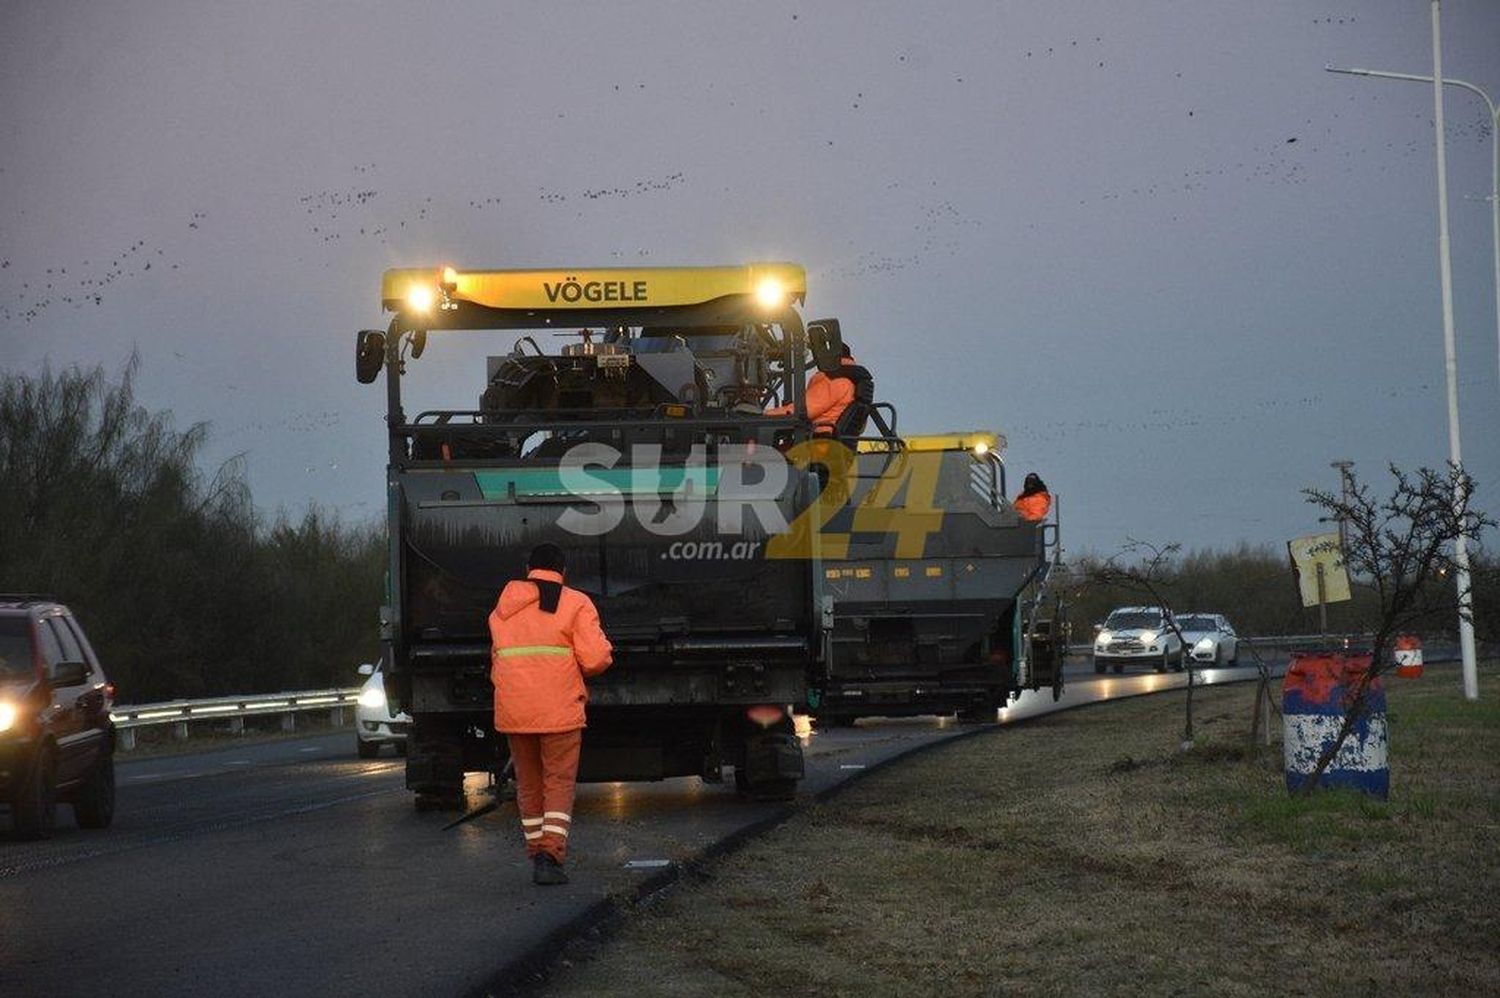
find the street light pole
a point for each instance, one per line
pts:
(1450, 349)
(1494, 198)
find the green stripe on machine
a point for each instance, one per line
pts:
(547, 483)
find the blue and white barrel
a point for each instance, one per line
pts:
(1315, 695)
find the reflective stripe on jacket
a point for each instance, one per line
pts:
(539, 660)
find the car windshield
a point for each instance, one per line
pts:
(15, 648)
(1191, 623)
(1132, 620)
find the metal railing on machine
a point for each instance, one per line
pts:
(181, 713)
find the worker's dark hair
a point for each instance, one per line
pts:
(547, 556)
(1033, 485)
(844, 350)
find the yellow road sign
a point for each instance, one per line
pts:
(1315, 555)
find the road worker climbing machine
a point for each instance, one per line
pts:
(625, 425)
(944, 599)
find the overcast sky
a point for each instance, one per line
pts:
(1176, 263)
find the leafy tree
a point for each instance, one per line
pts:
(184, 592)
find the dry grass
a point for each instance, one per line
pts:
(1080, 855)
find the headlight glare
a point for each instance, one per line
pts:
(8, 715)
(372, 697)
(770, 292)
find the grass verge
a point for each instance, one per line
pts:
(1081, 854)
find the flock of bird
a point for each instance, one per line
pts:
(85, 282)
(361, 210)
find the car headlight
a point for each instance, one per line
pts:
(372, 697)
(1205, 644)
(1147, 637)
(8, 715)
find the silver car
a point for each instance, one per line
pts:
(1209, 638)
(374, 722)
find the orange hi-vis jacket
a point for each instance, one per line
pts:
(539, 660)
(1033, 507)
(827, 398)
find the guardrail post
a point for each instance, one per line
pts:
(289, 721)
(236, 725)
(127, 738)
(179, 731)
(337, 717)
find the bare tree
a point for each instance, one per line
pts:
(1149, 570)
(1399, 549)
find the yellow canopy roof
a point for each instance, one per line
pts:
(425, 289)
(978, 441)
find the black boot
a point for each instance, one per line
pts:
(547, 871)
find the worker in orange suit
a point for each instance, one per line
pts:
(1035, 501)
(828, 395)
(546, 640)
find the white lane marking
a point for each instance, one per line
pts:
(312, 749)
(853, 765)
(238, 762)
(647, 864)
(153, 777)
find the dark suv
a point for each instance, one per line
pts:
(56, 739)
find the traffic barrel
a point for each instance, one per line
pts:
(1317, 692)
(1408, 656)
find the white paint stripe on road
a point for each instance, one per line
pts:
(154, 777)
(852, 765)
(647, 864)
(313, 748)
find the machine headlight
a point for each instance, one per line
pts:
(420, 298)
(770, 292)
(981, 448)
(8, 715)
(372, 697)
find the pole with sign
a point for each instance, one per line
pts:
(1318, 565)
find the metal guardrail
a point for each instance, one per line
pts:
(1291, 642)
(233, 709)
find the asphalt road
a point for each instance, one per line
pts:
(293, 868)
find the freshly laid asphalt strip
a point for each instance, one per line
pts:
(293, 868)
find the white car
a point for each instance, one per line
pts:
(1209, 638)
(374, 724)
(1137, 635)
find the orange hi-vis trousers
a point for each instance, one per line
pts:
(546, 773)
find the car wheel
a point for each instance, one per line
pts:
(1119, 667)
(1161, 666)
(1099, 667)
(94, 802)
(367, 750)
(34, 809)
(1181, 660)
(400, 747)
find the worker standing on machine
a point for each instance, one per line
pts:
(1035, 501)
(546, 640)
